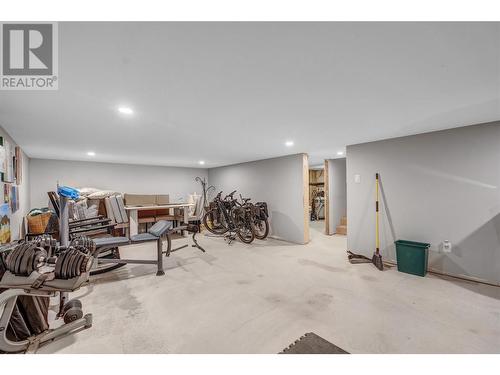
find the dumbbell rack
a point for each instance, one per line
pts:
(29, 282)
(64, 239)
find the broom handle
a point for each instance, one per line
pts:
(377, 240)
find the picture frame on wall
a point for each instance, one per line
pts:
(14, 198)
(7, 161)
(18, 165)
(6, 193)
(5, 235)
(2, 157)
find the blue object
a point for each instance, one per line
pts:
(68, 192)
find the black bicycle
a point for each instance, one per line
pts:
(228, 215)
(216, 218)
(242, 221)
(259, 217)
(246, 219)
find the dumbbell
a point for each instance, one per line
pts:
(25, 259)
(72, 263)
(72, 310)
(84, 244)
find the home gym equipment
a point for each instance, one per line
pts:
(95, 226)
(77, 227)
(156, 233)
(65, 194)
(106, 249)
(32, 272)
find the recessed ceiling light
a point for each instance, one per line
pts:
(91, 153)
(289, 143)
(201, 162)
(125, 110)
(340, 153)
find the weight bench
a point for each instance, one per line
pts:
(156, 234)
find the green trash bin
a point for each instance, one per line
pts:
(412, 257)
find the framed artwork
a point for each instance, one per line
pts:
(4, 223)
(14, 198)
(2, 156)
(8, 161)
(18, 165)
(6, 193)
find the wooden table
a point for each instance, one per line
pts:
(134, 219)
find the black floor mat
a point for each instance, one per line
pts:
(311, 343)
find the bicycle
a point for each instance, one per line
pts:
(228, 215)
(259, 218)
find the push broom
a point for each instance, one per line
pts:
(377, 258)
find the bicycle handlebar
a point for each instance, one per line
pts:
(245, 200)
(230, 195)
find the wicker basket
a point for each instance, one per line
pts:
(37, 224)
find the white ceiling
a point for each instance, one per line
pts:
(233, 92)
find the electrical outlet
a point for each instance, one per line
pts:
(446, 246)
(357, 178)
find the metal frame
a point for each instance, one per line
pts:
(158, 261)
(9, 297)
(8, 301)
(160, 251)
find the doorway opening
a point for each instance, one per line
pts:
(335, 196)
(317, 199)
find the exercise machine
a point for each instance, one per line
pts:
(107, 248)
(157, 233)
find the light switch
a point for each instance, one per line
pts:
(357, 178)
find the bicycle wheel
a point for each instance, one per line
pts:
(245, 233)
(214, 222)
(242, 226)
(260, 228)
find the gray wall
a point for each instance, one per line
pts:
(16, 220)
(277, 181)
(177, 182)
(337, 192)
(437, 186)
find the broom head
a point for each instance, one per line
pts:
(377, 261)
